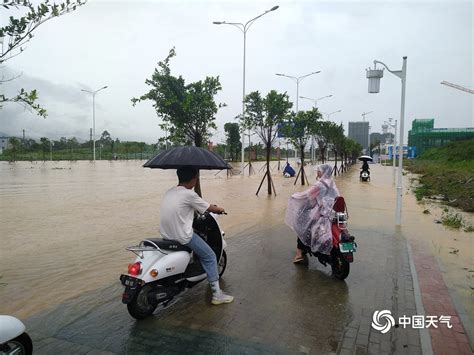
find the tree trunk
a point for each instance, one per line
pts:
(335, 163)
(269, 178)
(302, 164)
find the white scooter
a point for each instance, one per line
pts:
(165, 268)
(13, 338)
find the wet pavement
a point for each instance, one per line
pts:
(279, 307)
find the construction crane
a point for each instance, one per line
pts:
(364, 114)
(459, 87)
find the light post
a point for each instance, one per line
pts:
(315, 106)
(297, 81)
(315, 100)
(244, 28)
(93, 93)
(368, 134)
(331, 113)
(374, 76)
(394, 144)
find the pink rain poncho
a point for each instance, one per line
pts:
(309, 212)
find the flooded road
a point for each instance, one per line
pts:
(65, 226)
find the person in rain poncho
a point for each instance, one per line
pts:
(309, 214)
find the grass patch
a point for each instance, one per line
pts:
(452, 220)
(422, 191)
(469, 229)
(447, 171)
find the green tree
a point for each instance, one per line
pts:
(337, 140)
(187, 110)
(105, 138)
(299, 129)
(15, 144)
(19, 30)
(263, 116)
(323, 136)
(45, 145)
(233, 139)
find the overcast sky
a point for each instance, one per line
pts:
(118, 43)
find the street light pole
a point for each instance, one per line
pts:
(315, 100)
(93, 93)
(313, 150)
(244, 28)
(394, 142)
(375, 75)
(297, 81)
(331, 113)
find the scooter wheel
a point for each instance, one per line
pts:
(222, 264)
(22, 344)
(140, 307)
(340, 266)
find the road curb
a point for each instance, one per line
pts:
(425, 338)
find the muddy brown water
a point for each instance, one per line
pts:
(64, 225)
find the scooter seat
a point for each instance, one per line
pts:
(166, 244)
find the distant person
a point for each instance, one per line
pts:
(365, 167)
(176, 223)
(309, 214)
(289, 170)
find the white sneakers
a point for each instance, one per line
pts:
(221, 298)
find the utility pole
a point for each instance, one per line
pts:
(91, 139)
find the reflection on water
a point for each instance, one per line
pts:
(65, 224)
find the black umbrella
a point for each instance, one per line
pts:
(196, 157)
(365, 158)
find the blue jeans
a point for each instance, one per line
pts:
(206, 256)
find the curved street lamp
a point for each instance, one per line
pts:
(374, 76)
(93, 93)
(244, 28)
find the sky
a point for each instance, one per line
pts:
(118, 44)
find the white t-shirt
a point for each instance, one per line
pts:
(177, 213)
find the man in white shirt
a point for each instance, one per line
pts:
(176, 223)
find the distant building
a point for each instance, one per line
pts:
(424, 136)
(3, 144)
(359, 132)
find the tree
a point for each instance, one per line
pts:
(189, 110)
(263, 116)
(15, 144)
(45, 145)
(233, 138)
(19, 31)
(337, 139)
(323, 135)
(300, 127)
(106, 140)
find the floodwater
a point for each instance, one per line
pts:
(64, 225)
